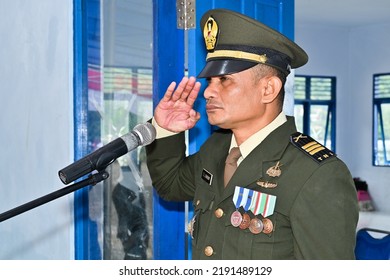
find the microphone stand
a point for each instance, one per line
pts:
(93, 179)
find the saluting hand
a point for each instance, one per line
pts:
(175, 111)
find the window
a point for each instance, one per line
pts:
(381, 119)
(314, 108)
(114, 58)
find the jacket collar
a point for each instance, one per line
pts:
(271, 149)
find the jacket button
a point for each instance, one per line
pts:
(208, 251)
(197, 202)
(218, 213)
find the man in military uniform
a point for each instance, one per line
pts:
(290, 197)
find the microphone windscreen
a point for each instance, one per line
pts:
(146, 132)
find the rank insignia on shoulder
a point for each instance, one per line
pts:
(311, 147)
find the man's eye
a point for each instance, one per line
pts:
(223, 78)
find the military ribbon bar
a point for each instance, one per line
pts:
(267, 205)
(256, 202)
(264, 204)
(249, 197)
(238, 196)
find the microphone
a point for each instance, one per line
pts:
(142, 135)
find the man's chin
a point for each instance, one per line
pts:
(214, 122)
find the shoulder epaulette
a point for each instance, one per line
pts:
(311, 147)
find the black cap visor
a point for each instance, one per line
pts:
(220, 67)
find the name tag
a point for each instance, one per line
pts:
(207, 176)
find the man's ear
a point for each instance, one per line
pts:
(272, 88)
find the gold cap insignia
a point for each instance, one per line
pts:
(210, 33)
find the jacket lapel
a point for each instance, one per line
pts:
(251, 169)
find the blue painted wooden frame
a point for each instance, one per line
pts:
(80, 89)
(86, 244)
(168, 66)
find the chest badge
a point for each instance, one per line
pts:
(275, 171)
(266, 184)
(207, 176)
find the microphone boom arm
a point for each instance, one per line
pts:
(93, 179)
(143, 134)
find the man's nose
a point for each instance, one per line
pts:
(210, 91)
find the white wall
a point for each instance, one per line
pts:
(353, 56)
(36, 126)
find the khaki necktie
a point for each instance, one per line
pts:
(231, 164)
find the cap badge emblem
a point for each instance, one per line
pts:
(210, 33)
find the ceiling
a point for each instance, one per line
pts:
(342, 13)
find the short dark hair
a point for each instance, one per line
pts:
(261, 70)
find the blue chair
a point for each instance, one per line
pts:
(372, 248)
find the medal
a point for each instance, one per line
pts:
(246, 219)
(268, 227)
(256, 226)
(256, 202)
(236, 218)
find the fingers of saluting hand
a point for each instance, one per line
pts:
(186, 91)
(168, 93)
(193, 94)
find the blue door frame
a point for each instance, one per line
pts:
(80, 122)
(168, 66)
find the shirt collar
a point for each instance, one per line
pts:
(253, 141)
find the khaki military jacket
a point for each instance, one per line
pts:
(315, 214)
